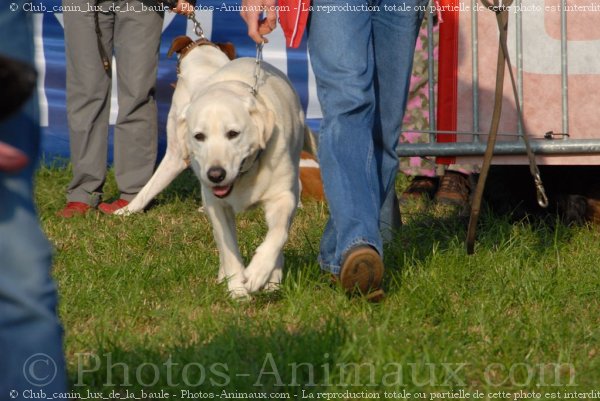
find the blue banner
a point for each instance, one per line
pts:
(221, 23)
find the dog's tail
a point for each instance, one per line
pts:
(311, 184)
(311, 141)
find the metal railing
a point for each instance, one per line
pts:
(548, 143)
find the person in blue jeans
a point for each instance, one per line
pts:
(31, 354)
(362, 55)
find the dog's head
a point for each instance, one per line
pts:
(227, 130)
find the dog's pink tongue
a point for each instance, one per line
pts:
(221, 191)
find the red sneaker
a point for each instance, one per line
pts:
(110, 208)
(73, 209)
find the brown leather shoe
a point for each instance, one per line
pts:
(593, 210)
(73, 209)
(111, 208)
(455, 189)
(362, 271)
(419, 187)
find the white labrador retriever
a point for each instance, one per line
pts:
(245, 150)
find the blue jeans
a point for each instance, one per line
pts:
(31, 355)
(362, 62)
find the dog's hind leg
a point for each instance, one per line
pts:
(174, 162)
(268, 257)
(167, 171)
(231, 268)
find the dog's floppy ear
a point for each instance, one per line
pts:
(182, 114)
(178, 44)
(227, 48)
(264, 119)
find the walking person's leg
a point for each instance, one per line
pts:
(30, 332)
(394, 36)
(341, 51)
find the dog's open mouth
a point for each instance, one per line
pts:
(222, 191)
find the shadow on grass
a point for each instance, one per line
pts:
(427, 232)
(248, 357)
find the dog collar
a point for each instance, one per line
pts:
(182, 45)
(184, 51)
(193, 45)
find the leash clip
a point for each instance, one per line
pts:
(197, 27)
(257, 67)
(542, 198)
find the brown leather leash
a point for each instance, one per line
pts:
(106, 58)
(101, 50)
(500, 8)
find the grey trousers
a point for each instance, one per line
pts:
(134, 38)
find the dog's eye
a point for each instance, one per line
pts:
(232, 134)
(200, 137)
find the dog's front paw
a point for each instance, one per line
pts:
(271, 287)
(124, 211)
(237, 289)
(274, 282)
(239, 293)
(221, 277)
(256, 277)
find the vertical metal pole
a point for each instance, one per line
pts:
(519, 38)
(475, 69)
(564, 62)
(431, 74)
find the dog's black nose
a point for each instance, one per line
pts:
(216, 174)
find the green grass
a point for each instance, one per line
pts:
(142, 310)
